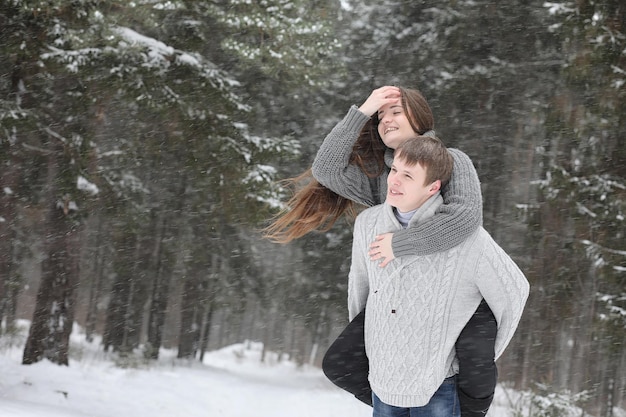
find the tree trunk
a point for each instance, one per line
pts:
(121, 288)
(95, 289)
(206, 328)
(158, 303)
(53, 318)
(8, 185)
(125, 311)
(191, 315)
(269, 329)
(321, 328)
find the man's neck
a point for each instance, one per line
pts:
(423, 212)
(404, 217)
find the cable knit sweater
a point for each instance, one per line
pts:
(455, 220)
(418, 305)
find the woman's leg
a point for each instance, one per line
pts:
(345, 363)
(475, 350)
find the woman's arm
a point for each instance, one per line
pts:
(331, 166)
(457, 218)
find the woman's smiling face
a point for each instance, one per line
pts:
(393, 126)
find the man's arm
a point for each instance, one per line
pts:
(505, 289)
(358, 281)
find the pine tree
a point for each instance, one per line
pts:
(582, 192)
(111, 105)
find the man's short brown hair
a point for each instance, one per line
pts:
(431, 154)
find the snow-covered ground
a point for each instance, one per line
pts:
(232, 382)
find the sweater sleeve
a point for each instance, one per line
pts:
(358, 281)
(455, 220)
(331, 166)
(505, 289)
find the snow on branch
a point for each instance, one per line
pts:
(73, 58)
(84, 185)
(603, 248)
(559, 8)
(161, 54)
(55, 134)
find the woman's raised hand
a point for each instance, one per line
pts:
(378, 98)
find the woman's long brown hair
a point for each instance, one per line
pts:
(314, 207)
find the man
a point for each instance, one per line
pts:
(418, 305)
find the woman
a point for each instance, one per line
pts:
(351, 167)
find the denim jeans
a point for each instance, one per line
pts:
(444, 403)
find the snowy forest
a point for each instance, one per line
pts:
(143, 144)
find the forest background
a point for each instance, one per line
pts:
(142, 144)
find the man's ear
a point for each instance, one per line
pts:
(434, 187)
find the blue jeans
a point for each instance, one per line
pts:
(444, 403)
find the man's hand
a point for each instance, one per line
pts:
(381, 249)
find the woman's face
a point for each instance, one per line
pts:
(393, 126)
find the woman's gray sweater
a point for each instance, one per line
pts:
(457, 219)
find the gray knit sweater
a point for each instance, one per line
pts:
(418, 305)
(455, 220)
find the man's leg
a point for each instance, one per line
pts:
(385, 410)
(345, 363)
(476, 381)
(443, 403)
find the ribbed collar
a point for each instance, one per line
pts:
(425, 211)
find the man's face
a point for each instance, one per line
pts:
(406, 188)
